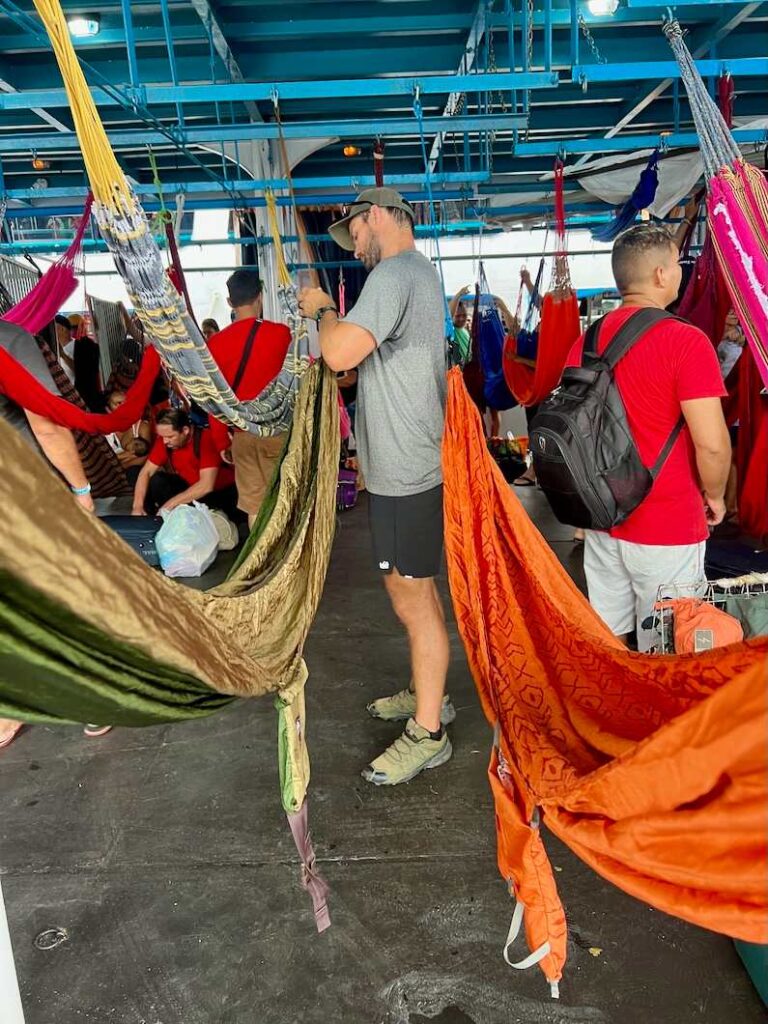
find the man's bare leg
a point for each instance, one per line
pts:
(418, 606)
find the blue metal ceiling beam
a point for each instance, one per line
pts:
(636, 71)
(466, 64)
(291, 130)
(225, 202)
(221, 45)
(628, 143)
(703, 41)
(345, 88)
(259, 185)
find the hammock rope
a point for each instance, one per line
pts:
(737, 206)
(38, 309)
(168, 323)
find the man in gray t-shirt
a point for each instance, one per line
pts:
(395, 337)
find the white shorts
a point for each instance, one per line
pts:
(623, 578)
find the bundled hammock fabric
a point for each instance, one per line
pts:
(559, 327)
(652, 769)
(641, 198)
(737, 207)
(53, 289)
(488, 341)
(80, 637)
(168, 323)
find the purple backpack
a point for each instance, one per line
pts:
(346, 490)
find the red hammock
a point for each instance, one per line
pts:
(21, 387)
(176, 271)
(752, 450)
(559, 327)
(652, 769)
(37, 310)
(706, 302)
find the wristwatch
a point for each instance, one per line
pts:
(323, 310)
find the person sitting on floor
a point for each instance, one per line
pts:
(183, 466)
(250, 354)
(132, 446)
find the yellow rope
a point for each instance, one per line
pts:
(107, 180)
(284, 277)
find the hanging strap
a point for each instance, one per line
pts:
(247, 349)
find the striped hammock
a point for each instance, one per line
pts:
(168, 323)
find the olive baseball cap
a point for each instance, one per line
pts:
(384, 197)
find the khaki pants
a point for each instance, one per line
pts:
(255, 460)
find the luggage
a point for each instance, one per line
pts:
(139, 533)
(585, 457)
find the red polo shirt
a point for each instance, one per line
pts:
(672, 363)
(266, 360)
(186, 464)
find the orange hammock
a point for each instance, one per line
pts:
(558, 332)
(651, 768)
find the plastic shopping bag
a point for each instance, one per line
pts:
(188, 540)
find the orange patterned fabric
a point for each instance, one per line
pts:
(651, 768)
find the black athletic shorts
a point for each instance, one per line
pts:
(407, 532)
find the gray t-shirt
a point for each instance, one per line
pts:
(401, 385)
(22, 346)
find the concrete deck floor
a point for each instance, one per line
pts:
(165, 856)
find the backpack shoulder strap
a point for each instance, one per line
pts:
(590, 338)
(631, 332)
(197, 438)
(247, 349)
(666, 451)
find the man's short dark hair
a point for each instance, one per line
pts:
(244, 287)
(636, 244)
(63, 321)
(178, 419)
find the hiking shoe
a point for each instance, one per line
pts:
(410, 754)
(402, 706)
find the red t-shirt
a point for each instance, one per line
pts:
(266, 360)
(672, 363)
(186, 464)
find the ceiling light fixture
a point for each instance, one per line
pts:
(352, 151)
(84, 26)
(602, 8)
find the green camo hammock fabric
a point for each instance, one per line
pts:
(80, 638)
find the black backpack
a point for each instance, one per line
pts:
(585, 458)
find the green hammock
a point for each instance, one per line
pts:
(81, 638)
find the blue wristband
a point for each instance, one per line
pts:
(80, 491)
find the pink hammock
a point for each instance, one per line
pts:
(737, 207)
(38, 309)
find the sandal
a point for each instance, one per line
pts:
(524, 481)
(9, 732)
(92, 731)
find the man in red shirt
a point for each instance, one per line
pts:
(183, 466)
(672, 369)
(250, 354)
